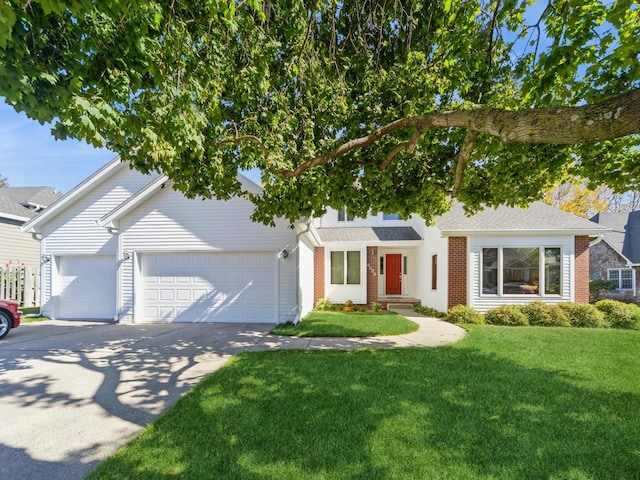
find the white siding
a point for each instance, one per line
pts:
(17, 247)
(482, 303)
(74, 230)
(434, 244)
(168, 222)
(330, 220)
(305, 267)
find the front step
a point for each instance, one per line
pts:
(400, 306)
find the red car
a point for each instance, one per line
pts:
(9, 316)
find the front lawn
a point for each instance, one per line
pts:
(352, 324)
(504, 403)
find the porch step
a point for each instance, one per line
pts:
(399, 306)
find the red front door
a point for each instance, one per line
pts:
(394, 274)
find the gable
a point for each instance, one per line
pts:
(168, 220)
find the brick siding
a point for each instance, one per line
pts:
(372, 275)
(318, 274)
(581, 270)
(457, 275)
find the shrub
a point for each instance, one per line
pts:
(583, 315)
(619, 314)
(506, 315)
(375, 307)
(543, 315)
(463, 314)
(323, 304)
(429, 311)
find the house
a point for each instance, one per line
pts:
(495, 257)
(617, 257)
(18, 205)
(123, 245)
(126, 246)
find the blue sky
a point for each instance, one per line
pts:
(31, 157)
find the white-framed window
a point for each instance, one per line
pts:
(345, 267)
(521, 270)
(343, 215)
(622, 278)
(391, 216)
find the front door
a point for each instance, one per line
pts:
(394, 274)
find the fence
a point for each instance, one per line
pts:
(20, 284)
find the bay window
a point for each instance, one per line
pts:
(521, 271)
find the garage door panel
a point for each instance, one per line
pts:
(234, 287)
(88, 287)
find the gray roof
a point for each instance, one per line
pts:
(368, 234)
(537, 217)
(625, 237)
(43, 196)
(14, 199)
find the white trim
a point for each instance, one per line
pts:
(9, 216)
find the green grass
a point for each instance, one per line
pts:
(31, 311)
(504, 403)
(352, 324)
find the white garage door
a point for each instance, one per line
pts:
(88, 287)
(210, 287)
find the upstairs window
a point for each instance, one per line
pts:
(343, 215)
(391, 216)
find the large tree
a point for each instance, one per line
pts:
(388, 105)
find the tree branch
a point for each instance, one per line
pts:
(407, 146)
(463, 158)
(613, 118)
(242, 138)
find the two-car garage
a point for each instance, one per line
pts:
(175, 287)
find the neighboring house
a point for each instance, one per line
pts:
(617, 257)
(496, 257)
(126, 246)
(18, 205)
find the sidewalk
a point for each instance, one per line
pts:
(431, 333)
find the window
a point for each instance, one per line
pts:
(344, 216)
(622, 278)
(381, 265)
(391, 216)
(490, 270)
(434, 272)
(552, 277)
(349, 275)
(521, 271)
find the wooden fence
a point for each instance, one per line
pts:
(20, 284)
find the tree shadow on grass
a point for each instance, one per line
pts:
(404, 413)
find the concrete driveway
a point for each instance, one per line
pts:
(71, 393)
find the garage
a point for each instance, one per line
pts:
(238, 287)
(88, 287)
